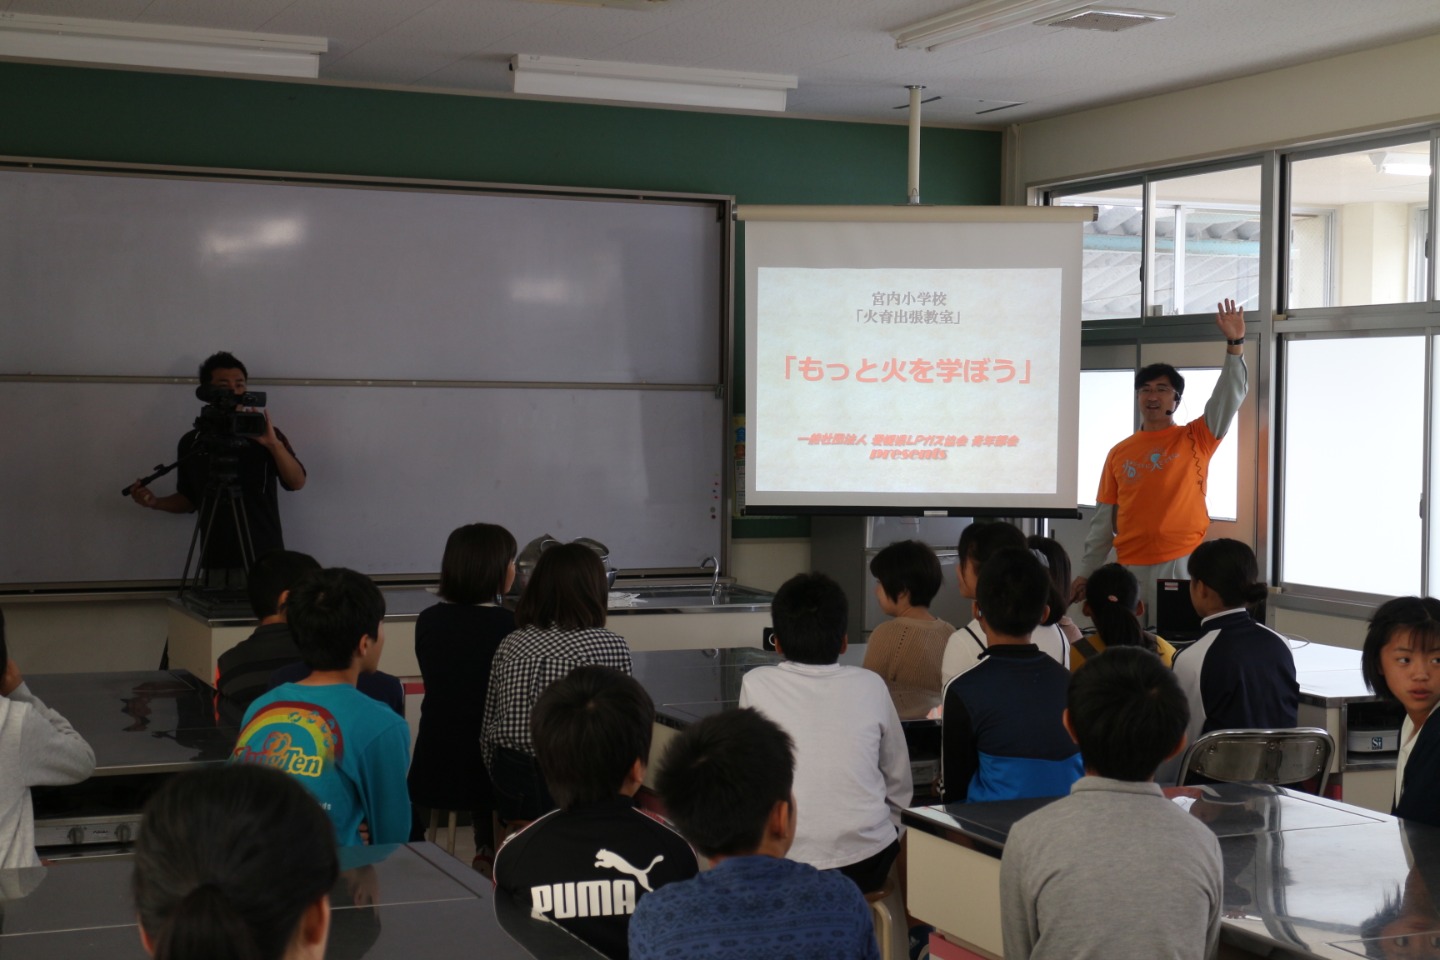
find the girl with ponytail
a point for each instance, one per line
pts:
(234, 862)
(1113, 604)
(1240, 674)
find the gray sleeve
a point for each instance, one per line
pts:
(894, 761)
(1018, 928)
(1229, 393)
(51, 752)
(1217, 899)
(1100, 538)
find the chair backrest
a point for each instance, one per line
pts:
(1283, 757)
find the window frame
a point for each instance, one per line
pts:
(1270, 323)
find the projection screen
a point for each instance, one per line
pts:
(912, 359)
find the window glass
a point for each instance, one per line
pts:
(1353, 227)
(1353, 464)
(1207, 241)
(1113, 251)
(1107, 416)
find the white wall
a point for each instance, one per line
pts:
(1377, 89)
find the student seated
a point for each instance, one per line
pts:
(1115, 869)
(726, 784)
(907, 649)
(587, 864)
(234, 862)
(455, 643)
(1113, 604)
(1240, 673)
(1401, 662)
(1002, 738)
(243, 671)
(852, 768)
(346, 748)
(978, 543)
(38, 748)
(560, 622)
(269, 657)
(1057, 563)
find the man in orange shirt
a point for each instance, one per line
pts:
(1151, 504)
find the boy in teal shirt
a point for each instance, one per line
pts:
(350, 751)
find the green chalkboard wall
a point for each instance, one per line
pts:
(121, 116)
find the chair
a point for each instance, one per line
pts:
(1281, 757)
(887, 910)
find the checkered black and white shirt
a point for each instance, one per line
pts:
(528, 661)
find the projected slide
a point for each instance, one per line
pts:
(907, 380)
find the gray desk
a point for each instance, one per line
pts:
(1304, 876)
(669, 617)
(415, 901)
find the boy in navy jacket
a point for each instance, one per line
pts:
(1003, 736)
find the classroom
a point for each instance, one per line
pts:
(1271, 171)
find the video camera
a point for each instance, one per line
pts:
(222, 418)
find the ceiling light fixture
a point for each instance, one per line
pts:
(1401, 164)
(158, 45)
(643, 83)
(991, 16)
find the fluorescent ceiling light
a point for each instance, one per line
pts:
(158, 45)
(641, 83)
(991, 16)
(1401, 164)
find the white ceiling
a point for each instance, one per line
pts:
(841, 50)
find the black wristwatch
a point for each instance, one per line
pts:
(1237, 342)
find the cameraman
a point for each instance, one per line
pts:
(261, 461)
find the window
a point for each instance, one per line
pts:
(1352, 221)
(1353, 463)
(1207, 241)
(1113, 251)
(1107, 416)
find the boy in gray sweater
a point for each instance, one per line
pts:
(1115, 869)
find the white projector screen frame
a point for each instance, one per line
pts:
(864, 390)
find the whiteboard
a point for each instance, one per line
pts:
(517, 344)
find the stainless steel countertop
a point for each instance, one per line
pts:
(406, 603)
(1315, 877)
(142, 721)
(419, 902)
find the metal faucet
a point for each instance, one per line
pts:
(712, 563)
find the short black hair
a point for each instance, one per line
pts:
(908, 565)
(810, 612)
(223, 360)
(1419, 616)
(589, 728)
(1155, 371)
(477, 558)
(1012, 592)
(272, 574)
(1057, 564)
(1228, 567)
(721, 778)
(567, 589)
(1128, 713)
(981, 538)
(329, 611)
